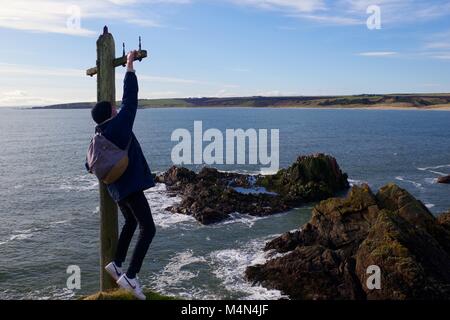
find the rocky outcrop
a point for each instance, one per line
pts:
(310, 178)
(444, 179)
(211, 196)
(329, 257)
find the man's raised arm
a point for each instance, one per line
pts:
(130, 93)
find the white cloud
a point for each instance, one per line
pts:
(11, 70)
(159, 94)
(68, 16)
(331, 20)
(28, 85)
(20, 98)
(438, 41)
(353, 12)
(166, 79)
(17, 70)
(53, 15)
(378, 54)
(296, 5)
(445, 56)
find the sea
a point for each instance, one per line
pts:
(49, 205)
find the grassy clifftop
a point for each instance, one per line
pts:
(413, 101)
(124, 295)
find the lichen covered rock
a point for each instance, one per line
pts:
(310, 178)
(329, 257)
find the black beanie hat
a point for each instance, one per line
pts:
(101, 112)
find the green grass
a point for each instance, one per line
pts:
(164, 103)
(125, 295)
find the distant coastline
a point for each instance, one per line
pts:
(378, 102)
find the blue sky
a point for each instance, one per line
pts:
(225, 47)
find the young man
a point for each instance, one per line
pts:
(128, 191)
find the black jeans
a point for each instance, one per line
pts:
(135, 210)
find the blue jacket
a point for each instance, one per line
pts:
(119, 130)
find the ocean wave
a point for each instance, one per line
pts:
(25, 234)
(435, 167)
(20, 235)
(245, 219)
(85, 182)
(172, 276)
(229, 266)
(354, 182)
(438, 173)
(430, 205)
(159, 199)
(49, 293)
(173, 272)
(416, 184)
(431, 180)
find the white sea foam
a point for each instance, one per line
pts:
(85, 182)
(49, 293)
(255, 190)
(229, 266)
(435, 167)
(159, 200)
(416, 184)
(437, 172)
(174, 274)
(25, 234)
(59, 222)
(430, 205)
(248, 172)
(356, 182)
(433, 170)
(20, 235)
(246, 219)
(431, 180)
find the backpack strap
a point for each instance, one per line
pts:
(129, 143)
(98, 130)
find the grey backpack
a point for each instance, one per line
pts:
(106, 160)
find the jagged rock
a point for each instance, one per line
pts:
(308, 272)
(414, 265)
(176, 175)
(445, 179)
(328, 258)
(444, 220)
(211, 196)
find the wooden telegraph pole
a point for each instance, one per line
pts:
(106, 91)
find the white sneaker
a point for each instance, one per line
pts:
(131, 285)
(114, 271)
